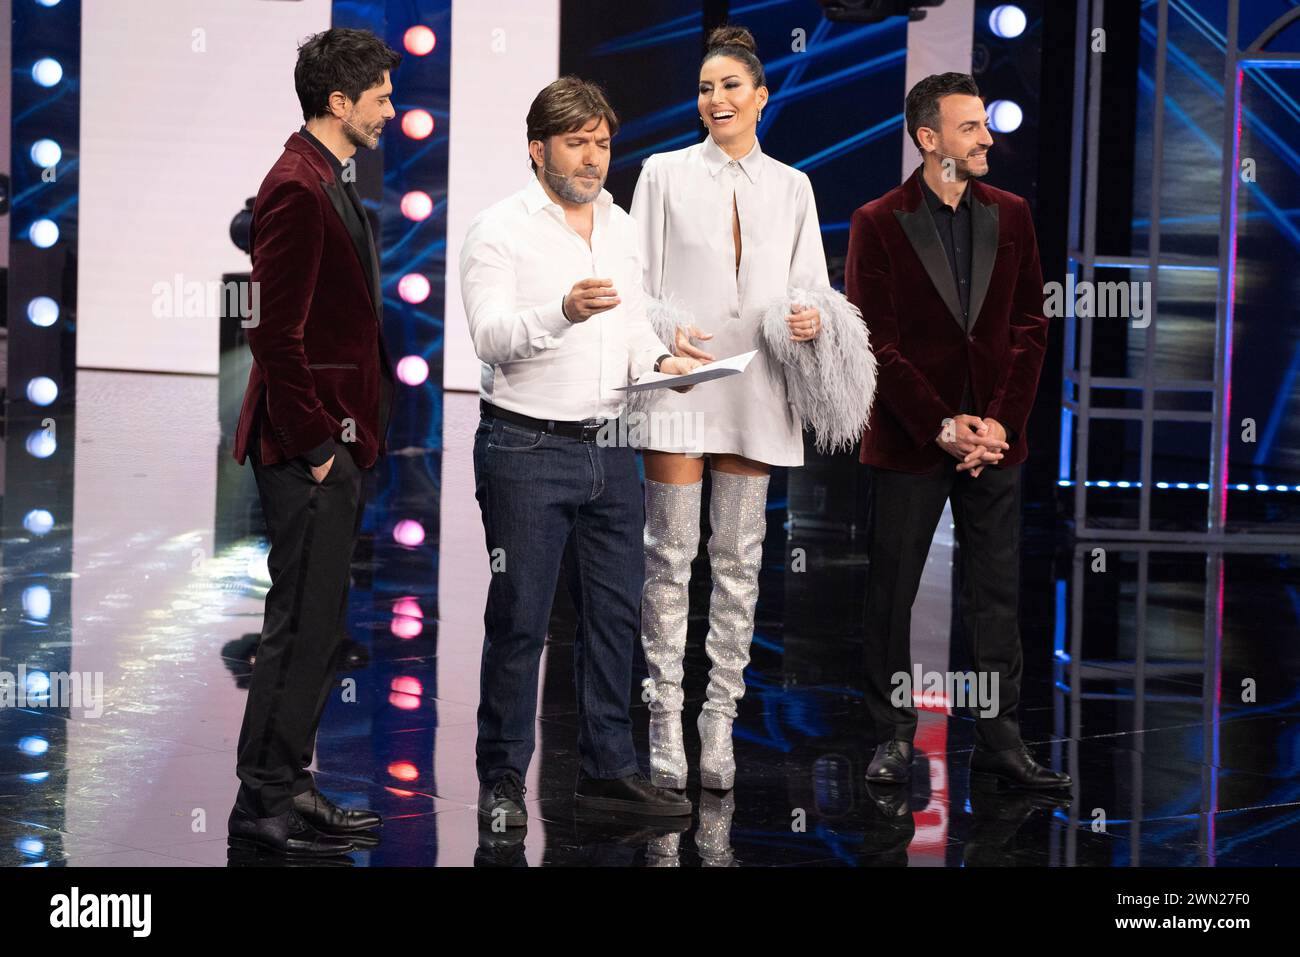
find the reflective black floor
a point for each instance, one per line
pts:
(1167, 684)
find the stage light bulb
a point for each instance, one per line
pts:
(43, 233)
(42, 390)
(413, 288)
(46, 153)
(38, 521)
(417, 205)
(47, 71)
(43, 311)
(1005, 116)
(1008, 21)
(412, 370)
(408, 532)
(41, 444)
(419, 41)
(37, 602)
(417, 124)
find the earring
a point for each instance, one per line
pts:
(760, 115)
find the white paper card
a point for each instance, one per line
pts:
(718, 369)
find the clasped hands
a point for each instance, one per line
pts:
(973, 441)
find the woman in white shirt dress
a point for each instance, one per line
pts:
(731, 242)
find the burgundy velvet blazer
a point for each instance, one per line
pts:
(897, 273)
(317, 348)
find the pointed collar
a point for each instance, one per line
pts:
(715, 159)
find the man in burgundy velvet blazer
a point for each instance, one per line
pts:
(313, 423)
(945, 270)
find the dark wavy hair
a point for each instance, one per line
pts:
(922, 108)
(566, 105)
(350, 61)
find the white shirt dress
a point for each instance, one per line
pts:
(683, 213)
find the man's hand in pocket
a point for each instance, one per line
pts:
(318, 472)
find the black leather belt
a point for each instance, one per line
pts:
(583, 431)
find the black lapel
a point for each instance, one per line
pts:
(362, 242)
(376, 294)
(984, 236)
(924, 237)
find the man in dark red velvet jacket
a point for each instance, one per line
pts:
(945, 270)
(313, 423)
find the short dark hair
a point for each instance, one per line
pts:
(738, 43)
(350, 61)
(566, 105)
(922, 108)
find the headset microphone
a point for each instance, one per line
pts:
(370, 138)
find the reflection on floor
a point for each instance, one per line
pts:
(1168, 684)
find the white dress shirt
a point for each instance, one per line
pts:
(519, 260)
(683, 211)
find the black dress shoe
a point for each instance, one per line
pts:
(503, 801)
(328, 818)
(633, 794)
(1014, 768)
(284, 834)
(892, 762)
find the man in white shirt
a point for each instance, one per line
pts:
(551, 281)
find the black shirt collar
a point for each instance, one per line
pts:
(325, 152)
(934, 203)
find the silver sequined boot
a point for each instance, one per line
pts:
(738, 522)
(672, 537)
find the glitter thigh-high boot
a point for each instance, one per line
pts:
(672, 537)
(738, 522)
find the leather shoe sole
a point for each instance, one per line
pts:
(588, 802)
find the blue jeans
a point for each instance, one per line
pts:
(538, 492)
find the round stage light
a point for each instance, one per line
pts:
(38, 684)
(403, 771)
(417, 205)
(38, 521)
(48, 3)
(419, 41)
(43, 311)
(408, 532)
(406, 684)
(406, 628)
(33, 744)
(408, 608)
(43, 233)
(412, 370)
(30, 846)
(413, 288)
(1007, 21)
(47, 71)
(37, 602)
(42, 390)
(417, 124)
(1005, 116)
(41, 445)
(46, 153)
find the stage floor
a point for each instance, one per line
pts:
(1167, 685)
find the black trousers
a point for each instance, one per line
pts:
(905, 511)
(312, 530)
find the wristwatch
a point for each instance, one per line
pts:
(666, 355)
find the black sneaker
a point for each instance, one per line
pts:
(503, 801)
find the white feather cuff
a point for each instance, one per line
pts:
(830, 380)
